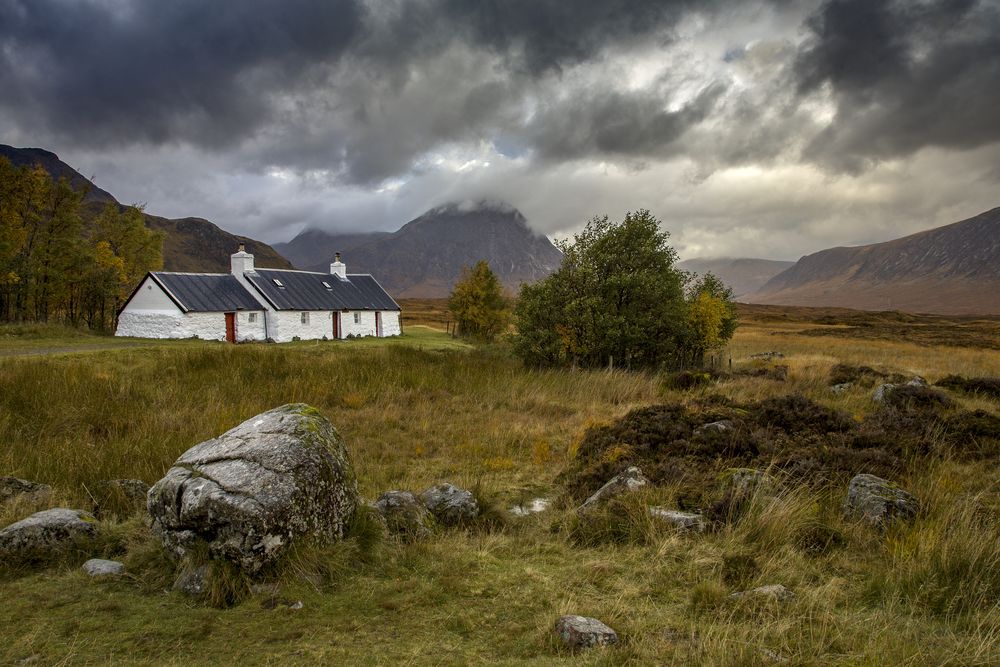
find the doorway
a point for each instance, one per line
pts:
(378, 324)
(230, 327)
(336, 325)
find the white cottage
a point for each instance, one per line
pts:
(250, 304)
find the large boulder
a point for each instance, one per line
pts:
(877, 501)
(450, 505)
(245, 496)
(578, 632)
(624, 482)
(404, 515)
(12, 488)
(45, 532)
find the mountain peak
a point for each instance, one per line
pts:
(474, 205)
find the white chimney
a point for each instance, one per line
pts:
(241, 261)
(338, 268)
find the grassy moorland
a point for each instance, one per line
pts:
(427, 407)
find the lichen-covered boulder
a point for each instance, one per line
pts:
(98, 567)
(683, 521)
(246, 495)
(449, 504)
(12, 488)
(404, 515)
(877, 501)
(881, 393)
(44, 532)
(626, 481)
(578, 632)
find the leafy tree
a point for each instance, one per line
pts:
(617, 298)
(712, 317)
(478, 304)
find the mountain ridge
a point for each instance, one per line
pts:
(744, 275)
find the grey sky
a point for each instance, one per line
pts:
(771, 128)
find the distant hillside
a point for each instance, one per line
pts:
(950, 270)
(190, 244)
(742, 275)
(425, 256)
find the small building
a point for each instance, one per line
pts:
(250, 304)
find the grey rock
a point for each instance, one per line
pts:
(626, 481)
(715, 427)
(770, 592)
(882, 392)
(746, 481)
(46, 531)
(193, 580)
(98, 567)
(680, 520)
(877, 501)
(533, 506)
(245, 496)
(450, 504)
(404, 515)
(841, 388)
(579, 632)
(12, 488)
(917, 381)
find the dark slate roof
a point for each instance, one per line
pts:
(304, 290)
(206, 292)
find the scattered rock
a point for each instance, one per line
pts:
(46, 531)
(624, 482)
(98, 567)
(877, 501)
(12, 488)
(678, 519)
(746, 481)
(404, 515)
(917, 381)
(450, 504)
(715, 427)
(275, 602)
(247, 495)
(534, 506)
(193, 580)
(772, 592)
(768, 356)
(579, 632)
(120, 496)
(882, 392)
(841, 388)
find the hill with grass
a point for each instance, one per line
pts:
(189, 244)
(950, 270)
(424, 258)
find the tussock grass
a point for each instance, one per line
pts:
(415, 412)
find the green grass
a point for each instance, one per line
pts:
(427, 407)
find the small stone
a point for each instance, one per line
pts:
(681, 520)
(841, 388)
(773, 656)
(98, 567)
(193, 580)
(882, 392)
(12, 488)
(877, 501)
(624, 482)
(449, 504)
(768, 356)
(578, 632)
(534, 506)
(772, 592)
(917, 381)
(275, 602)
(46, 531)
(404, 515)
(715, 427)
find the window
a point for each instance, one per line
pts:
(305, 318)
(278, 283)
(357, 318)
(327, 285)
(251, 318)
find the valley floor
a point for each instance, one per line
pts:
(428, 407)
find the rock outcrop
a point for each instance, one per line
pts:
(626, 481)
(450, 505)
(245, 496)
(877, 501)
(45, 532)
(579, 632)
(12, 488)
(404, 515)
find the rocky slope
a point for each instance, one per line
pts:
(425, 256)
(950, 270)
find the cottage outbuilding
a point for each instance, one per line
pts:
(251, 304)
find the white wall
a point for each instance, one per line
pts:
(390, 323)
(250, 331)
(287, 324)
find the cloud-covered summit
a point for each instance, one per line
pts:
(770, 126)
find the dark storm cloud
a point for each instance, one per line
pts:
(903, 76)
(157, 72)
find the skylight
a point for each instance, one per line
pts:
(278, 283)
(327, 285)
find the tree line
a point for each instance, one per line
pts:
(59, 261)
(617, 299)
